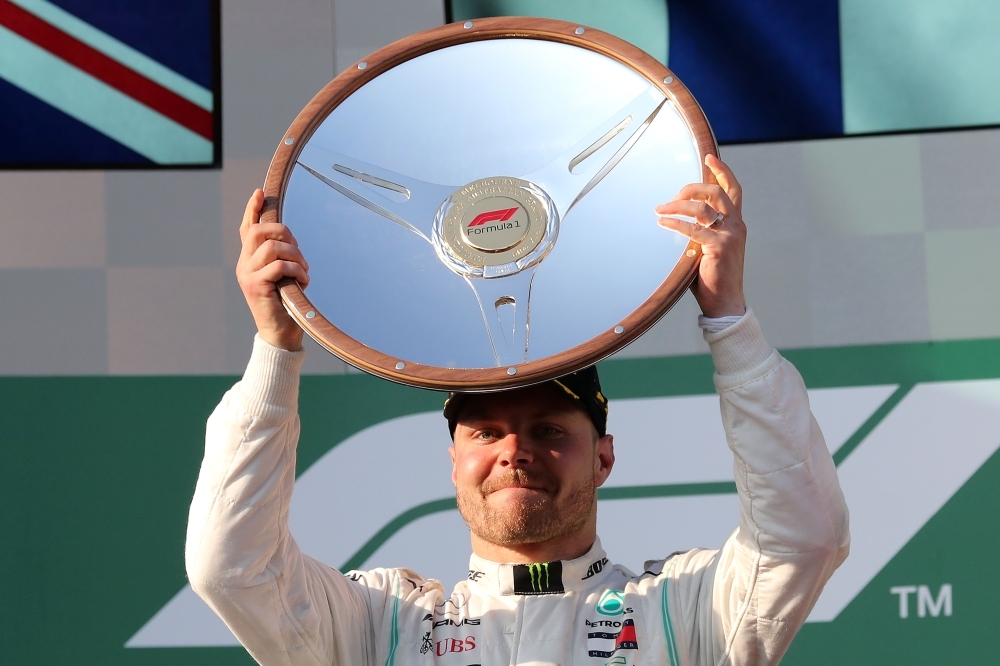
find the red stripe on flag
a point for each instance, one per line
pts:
(493, 216)
(110, 71)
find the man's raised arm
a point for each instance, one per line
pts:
(746, 601)
(793, 529)
(285, 607)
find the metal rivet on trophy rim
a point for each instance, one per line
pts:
(691, 252)
(468, 24)
(362, 64)
(619, 329)
(580, 31)
(289, 141)
(669, 79)
(400, 365)
(311, 314)
(511, 371)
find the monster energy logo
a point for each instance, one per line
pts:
(539, 578)
(537, 571)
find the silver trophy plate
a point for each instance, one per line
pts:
(476, 203)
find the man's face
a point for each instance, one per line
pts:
(526, 466)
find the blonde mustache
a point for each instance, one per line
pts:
(517, 477)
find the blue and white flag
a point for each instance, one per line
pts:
(108, 83)
(772, 70)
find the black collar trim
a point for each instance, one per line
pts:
(540, 578)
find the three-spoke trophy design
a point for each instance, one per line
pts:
(476, 203)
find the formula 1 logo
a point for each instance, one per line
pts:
(501, 215)
(917, 443)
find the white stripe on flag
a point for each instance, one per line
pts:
(97, 104)
(119, 51)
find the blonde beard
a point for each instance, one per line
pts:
(529, 522)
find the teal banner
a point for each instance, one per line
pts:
(778, 70)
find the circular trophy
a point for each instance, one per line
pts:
(476, 203)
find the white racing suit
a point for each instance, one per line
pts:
(738, 605)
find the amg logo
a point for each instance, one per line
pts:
(474, 621)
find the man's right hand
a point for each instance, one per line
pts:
(270, 253)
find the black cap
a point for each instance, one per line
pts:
(582, 387)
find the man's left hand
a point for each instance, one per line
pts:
(719, 228)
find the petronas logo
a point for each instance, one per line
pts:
(538, 578)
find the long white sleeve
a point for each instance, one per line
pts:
(285, 608)
(753, 595)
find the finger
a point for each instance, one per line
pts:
(710, 193)
(252, 213)
(276, 270)
(272, 250)
(726, 179)
(695, 232)
(701, 211)
(260, 233)
(271, 231)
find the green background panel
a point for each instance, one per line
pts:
(97, 474)
(953, 547)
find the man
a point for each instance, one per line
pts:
(526, 466)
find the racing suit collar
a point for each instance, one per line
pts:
(505, 579)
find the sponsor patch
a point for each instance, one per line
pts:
(452, 645)
(596, 568)
(605, 644)
(612, 603)
(540, 578)
(448, 622)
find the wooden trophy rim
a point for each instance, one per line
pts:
(531, 372)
